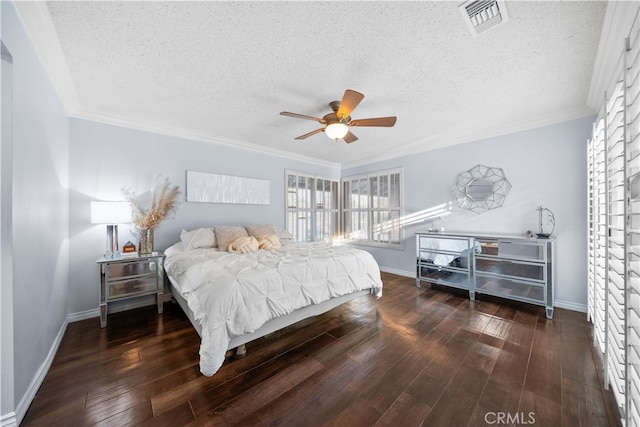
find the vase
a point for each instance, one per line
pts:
(145, 245)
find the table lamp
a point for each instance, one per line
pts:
(111, 214)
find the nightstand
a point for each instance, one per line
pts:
(128, 277)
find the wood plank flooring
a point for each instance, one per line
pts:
(417, 356)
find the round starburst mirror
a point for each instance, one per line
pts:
(481, 188)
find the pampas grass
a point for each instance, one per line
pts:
(164, 200)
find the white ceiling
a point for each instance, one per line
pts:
(222, 71)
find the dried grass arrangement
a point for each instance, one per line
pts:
(164, 201)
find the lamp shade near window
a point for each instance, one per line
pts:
(111, 214)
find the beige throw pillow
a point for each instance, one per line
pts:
(260, 231)
(283, 234)
(269, 242)
(227, 234)
(244, 245)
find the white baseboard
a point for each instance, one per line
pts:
(83, 315)
(122, 306)
(9, 420)
(38, 379)
(568, 305)
(398, 272)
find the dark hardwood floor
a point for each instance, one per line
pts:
(415, 357)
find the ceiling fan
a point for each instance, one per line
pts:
(337, 123)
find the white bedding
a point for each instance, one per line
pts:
(234, 294)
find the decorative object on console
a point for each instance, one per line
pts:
(431, 222)
(481, 188)
(162, 204)
(549, 220)
(111, 214)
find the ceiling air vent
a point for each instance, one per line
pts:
(482, 15)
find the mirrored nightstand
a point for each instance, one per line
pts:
(129, 277)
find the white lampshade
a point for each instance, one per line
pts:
(110, 213)
(336, 130)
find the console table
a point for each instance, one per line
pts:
(510, 267)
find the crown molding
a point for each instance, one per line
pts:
(471, 135)
(40, 30)
(618, 20)
(178, 132)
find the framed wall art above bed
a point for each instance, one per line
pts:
(204, 187)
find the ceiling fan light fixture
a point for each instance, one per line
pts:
(336, 131)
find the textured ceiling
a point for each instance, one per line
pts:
(224, 70)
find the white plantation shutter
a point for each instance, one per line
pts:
(312, 205)
(598, 235)
(614, 233)
(372, 209)
(616, 217)
(632, 120)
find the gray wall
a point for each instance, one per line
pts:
(104, 158)
(546, 166)
(40, 226)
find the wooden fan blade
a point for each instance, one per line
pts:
(350, 101)
(301, 116)
(307, 135)
(349, 138)
(379, 121)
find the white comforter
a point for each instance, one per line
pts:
(234, 294)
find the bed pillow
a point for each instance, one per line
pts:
(269, 242)
(283, 234)
(198, 238)
(227, 234)
(260, 231)
(244, 245)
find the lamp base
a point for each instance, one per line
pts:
(113, 254)
(112, 242)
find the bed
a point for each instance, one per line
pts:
(232, 298)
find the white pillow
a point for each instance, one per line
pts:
(198, 238)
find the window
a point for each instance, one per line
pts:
(372, 209)
(312, 207)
